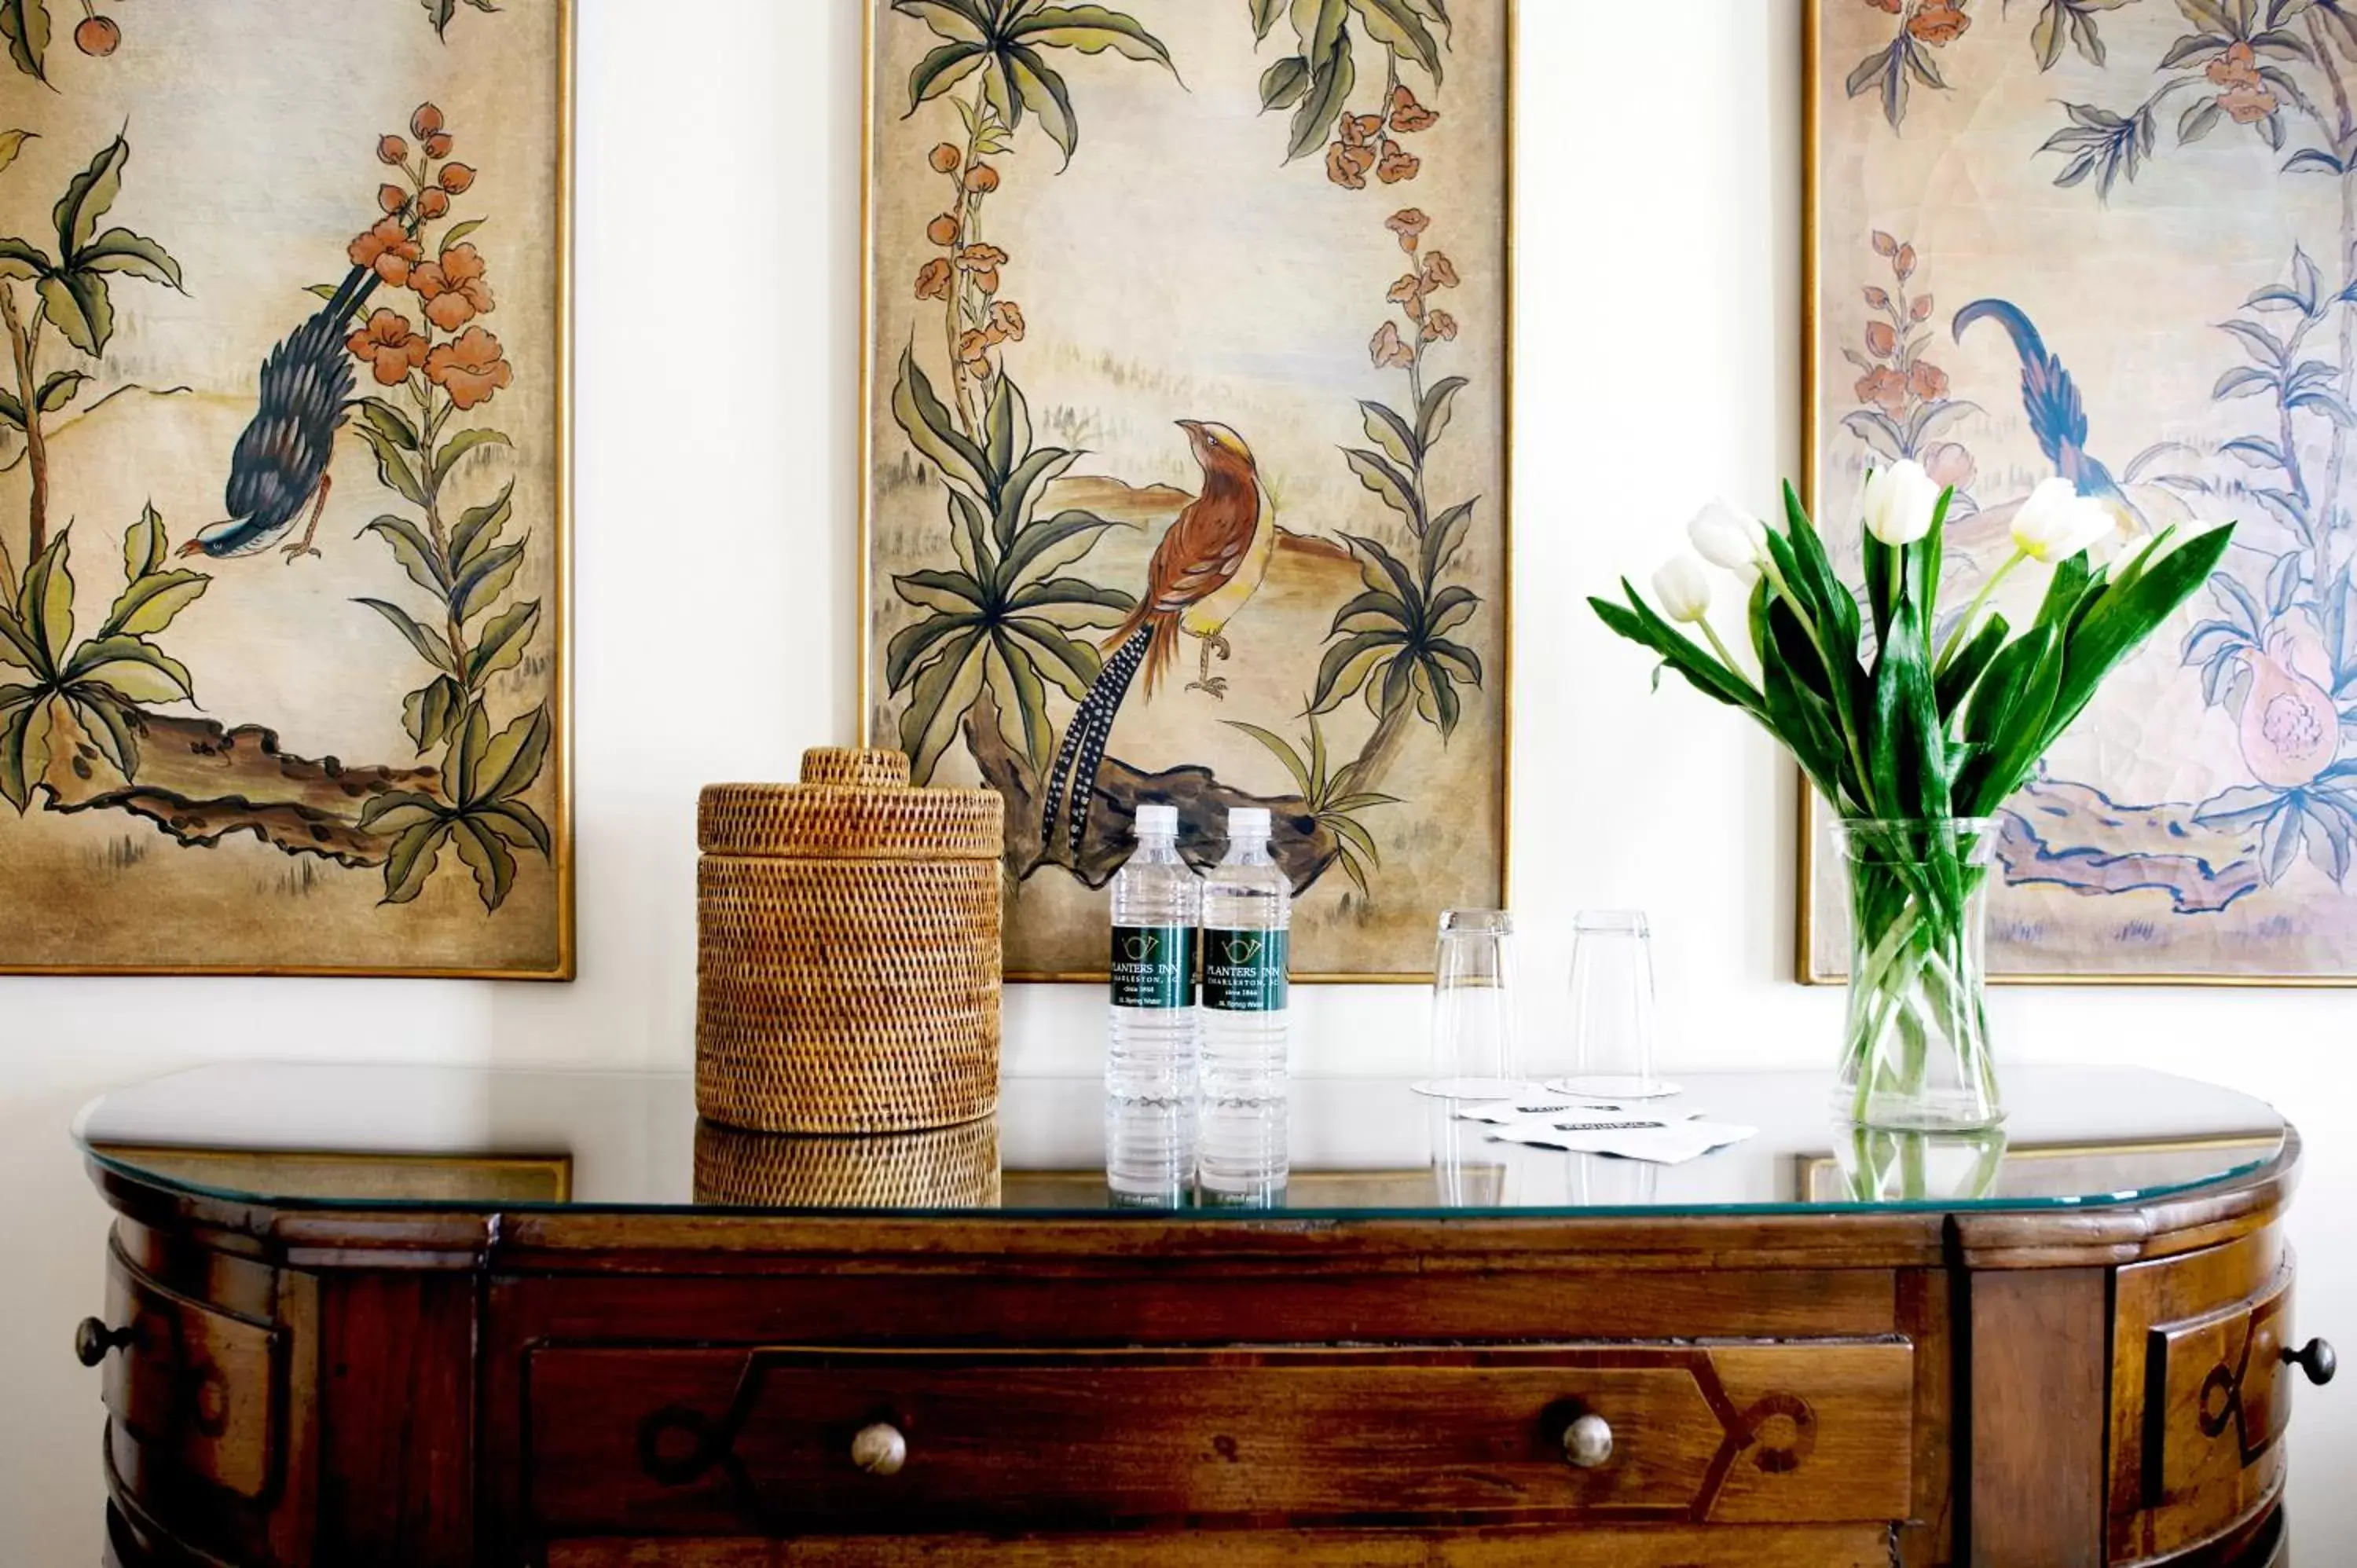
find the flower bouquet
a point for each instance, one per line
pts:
(1915, 726)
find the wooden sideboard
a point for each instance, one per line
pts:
(294, 1383)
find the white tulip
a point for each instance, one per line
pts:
(1735, 540)
(2056, 521)
(1898, 503)
(1683, 589)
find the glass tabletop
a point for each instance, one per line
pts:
(472, 1139)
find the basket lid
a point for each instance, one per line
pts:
(852, 804)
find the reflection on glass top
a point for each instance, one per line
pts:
(473, 1139)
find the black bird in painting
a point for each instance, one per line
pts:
(280, 462)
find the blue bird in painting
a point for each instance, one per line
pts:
(2050, 398)
(280, 464)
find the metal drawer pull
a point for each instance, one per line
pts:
(2316, 1359)
(879, 1450)
(94, 1341)
(1587, 1441)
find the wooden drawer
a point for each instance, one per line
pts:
(196, 1387)
(720, 1442)
(2200, 1394)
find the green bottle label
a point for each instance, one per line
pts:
(1153, 966)
(1245, 972)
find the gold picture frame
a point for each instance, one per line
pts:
(1812, 967)
(558, 592)
(1510, 12)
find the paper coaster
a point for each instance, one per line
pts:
(1668, 1141)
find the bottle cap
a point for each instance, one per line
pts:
(1157, 822)
(1248, 821)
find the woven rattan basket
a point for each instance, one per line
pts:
(947, 1167)
(848, 969)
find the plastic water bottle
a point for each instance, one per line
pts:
(1247, 1024)
(1157, 902)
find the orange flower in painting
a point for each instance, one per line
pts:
(1877, 298)
(1358, 130)
(1006, 319)
(1386, 349)
(1408, 223)
(438, 145)
(468, 367)
(942, 229)
(1407, 115)
(1922, 309)
(1881, 338)
(388, 248)
(1937, 22)
(1408, 294)
(1950, 466)
(1441, 325)
(1397, 165)
(1885, 388)
(944, 159)
(1903, 264)
(1929, 381)
(2238, 66)
(392, 197)
(1889, 6)
(390, 150)
(388, 345)
(2248, 105)
(426, 122)
(982, 261)
(982, 178)
(973, 351)
(1347, 165)
(452, 288)
(933, 279)
(456, 178)
(1439, 271)
(433, 201)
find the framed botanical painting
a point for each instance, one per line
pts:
(282, 521)
(1186, 430)
(2113, 241)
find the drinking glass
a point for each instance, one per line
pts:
(1468, 1167)
(1477, 1050)
(1612, 1009)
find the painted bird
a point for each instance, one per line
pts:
(280, 462)
(2050, 399)
(1211, 559)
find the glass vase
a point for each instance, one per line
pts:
(1915, 1049)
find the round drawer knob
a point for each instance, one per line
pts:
(94, 1341)
(2316, 1360)
(879, 1450)
(1587, 1441)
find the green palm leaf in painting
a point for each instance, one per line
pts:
(1007, 40)
(1005, 616)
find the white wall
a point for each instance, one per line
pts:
(1658, 354)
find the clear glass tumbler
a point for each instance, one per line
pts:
(1612, 1009)
(1477, 1047)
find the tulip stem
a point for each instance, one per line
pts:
(1973, 610)
(1727, 659)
